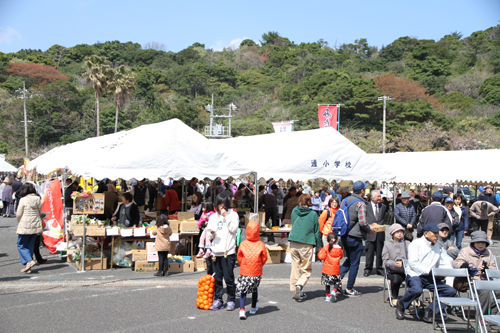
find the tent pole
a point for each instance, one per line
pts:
(183, 203)
(394, 203)
(256, 196)
(83, 243)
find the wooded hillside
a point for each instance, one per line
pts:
(447, 92)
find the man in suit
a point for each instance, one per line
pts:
(375, 213)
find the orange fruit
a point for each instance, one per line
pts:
(205, 297)
(211, 290)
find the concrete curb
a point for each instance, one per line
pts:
(153, 283)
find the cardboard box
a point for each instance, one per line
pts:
(93, 264)
(377, 227)
(146, 267)
(200, 264)
(175, 267)
(273, 255)
(263, 239)
(90, 230)
(185, 216)
(174, 225)
(189, 226)
(138, 255)
(152, 254)
(260, 219)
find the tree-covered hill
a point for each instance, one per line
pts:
(447, 92)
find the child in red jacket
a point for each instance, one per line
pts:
(330, 276)
(252, 255)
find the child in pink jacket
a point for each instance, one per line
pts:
(205, 242)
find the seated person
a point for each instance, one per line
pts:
(423, 255)
(395, 250)
(127, 212)
(444, 242)
(477, 258)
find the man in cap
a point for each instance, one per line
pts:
(405, 213)
(353, 241)
(423, 255)
(497, 196)
(483, 212)
(488, 196)
(140, 194)
(435, 212)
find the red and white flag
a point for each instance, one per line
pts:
(327, 116)
(53, 207)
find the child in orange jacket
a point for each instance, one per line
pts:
(252, 255)
(330, 275)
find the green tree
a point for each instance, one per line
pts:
(144, 85)
(97, 71)
(248, 42)
(122, 87)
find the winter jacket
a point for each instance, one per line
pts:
(477, 213)
(489, 198)
(2, 186)
(289, 207)
(325, 223)
(133, 215)
(393, 251)
(436, 213)
(172, 201)
(455, 219)
(357, 217)
(252, 253)
(7, 193)
(468, 256)
(305, 227)
(162, 241)
(28, 215)
(405, 214)
(464, 219)
(224, 239)
(331, 263)
(445, 243)
(316, 201)
(202, 222)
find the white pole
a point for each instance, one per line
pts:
(383, 139)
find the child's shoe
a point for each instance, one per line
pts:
(334, 297)
(254, 310)
(230, 306)
(217, 305)
(243, 314)
(208, 254)
(328, 298)
(200, 253)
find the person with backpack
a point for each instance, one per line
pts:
(351, 224)
(326, 219)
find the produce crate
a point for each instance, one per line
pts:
(93, 264)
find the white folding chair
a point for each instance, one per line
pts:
(490, 286)
(492, 274)
(387, 285)
(495, 260)
(450, 301)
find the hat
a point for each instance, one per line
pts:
(133, 182)
(431, 226)
(498, 192)
(443, 225)
(437, 196)
(479, 236)
(422, 195)
(395, 227)
(358, 186)
(488, 186)
(448, 200)
(405, 195)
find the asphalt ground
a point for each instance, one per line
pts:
(57, 297)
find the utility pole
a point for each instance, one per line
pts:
(384, 98)
(24, 98)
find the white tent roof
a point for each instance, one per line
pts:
(443, 167)
(321, 153)
(161, 150)
(6, 167)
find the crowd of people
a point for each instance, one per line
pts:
(440, 227)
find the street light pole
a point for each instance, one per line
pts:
(384, 98)
(24, 97)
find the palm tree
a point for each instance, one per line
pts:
(97, 71)
(122, 86)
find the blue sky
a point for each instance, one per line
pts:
(177, 24)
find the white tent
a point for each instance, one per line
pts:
(6, 167)
(314, 154)
(443, 167)
(161, 150)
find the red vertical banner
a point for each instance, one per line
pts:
(327, 116)
(53, 207)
